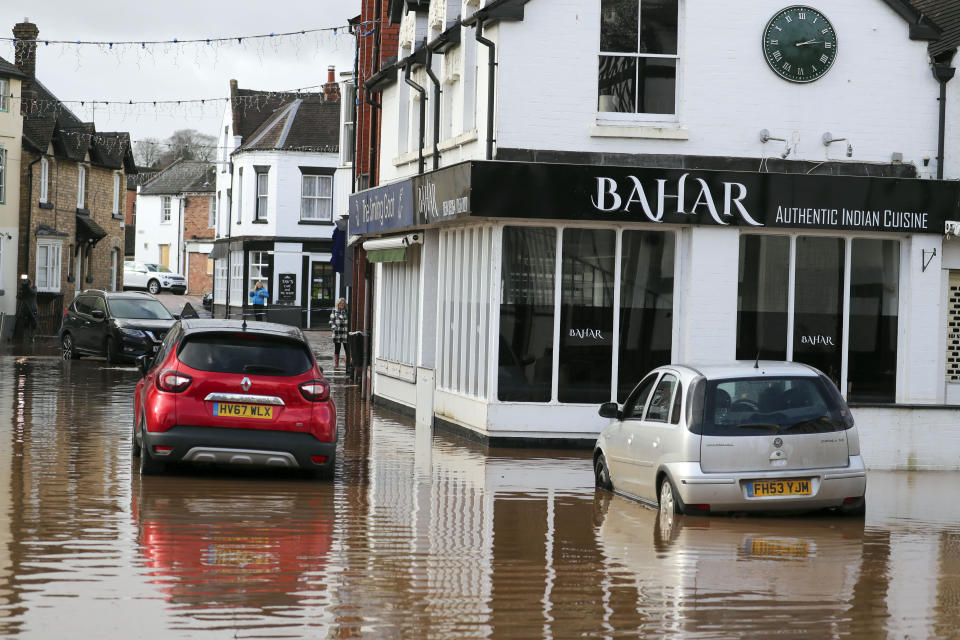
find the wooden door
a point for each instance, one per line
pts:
(165, 255)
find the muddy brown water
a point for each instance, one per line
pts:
(422, 536)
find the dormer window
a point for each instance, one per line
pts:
(639, 55)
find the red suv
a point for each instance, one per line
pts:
(223, 391)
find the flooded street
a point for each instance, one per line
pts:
(422, 536)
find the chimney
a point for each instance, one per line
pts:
(331, 90)
(25, 48)
(25, 57)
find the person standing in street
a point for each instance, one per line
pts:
(339, 323)
(28, 315)
(258, 298)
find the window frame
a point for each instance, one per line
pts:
(4, 95)
(116, 193)
(262, 197)
(211, 212)
(616, 117)
(668, 405)
(845, 295)
(317, 199)
(81, 186)
(166, 209)
(44, 180)
(261, 261)
(54, 248)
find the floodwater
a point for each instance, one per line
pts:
(423, 536)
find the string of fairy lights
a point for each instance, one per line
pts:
(170, 51)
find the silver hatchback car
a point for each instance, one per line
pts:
(748, 436)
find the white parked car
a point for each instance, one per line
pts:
(152, 277)
(764, 436)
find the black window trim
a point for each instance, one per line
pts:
(631, 399)
(646, 411)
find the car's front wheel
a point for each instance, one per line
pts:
(113, 353)
(68, 349)
(153, 287)
(601, 473)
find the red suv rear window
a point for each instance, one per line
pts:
(247, 353)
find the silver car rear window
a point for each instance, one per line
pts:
(780, 405)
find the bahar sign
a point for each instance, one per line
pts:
(715, 198)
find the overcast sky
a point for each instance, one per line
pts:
(172, 72)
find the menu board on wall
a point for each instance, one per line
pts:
(287, 287)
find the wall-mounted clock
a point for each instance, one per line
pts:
(799, 44)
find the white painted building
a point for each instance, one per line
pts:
(282, 184)
(657, 188)
(11, 129)
(165, 233)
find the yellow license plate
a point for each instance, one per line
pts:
(230, 410)
(778, 548)
(767, 488)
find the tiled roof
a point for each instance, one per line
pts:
(308, 123)
(8, 70)
(134, 180)
(946, 15)
(252, 107)
(183, 176)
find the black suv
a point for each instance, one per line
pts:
(120, 326)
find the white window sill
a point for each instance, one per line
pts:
(667, 132)
(445, 145)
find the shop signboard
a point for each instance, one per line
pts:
(443, 195)
(676, 196)
(382, 209)
(288, 287)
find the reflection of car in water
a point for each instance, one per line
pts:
(688, 573)
(210, 543)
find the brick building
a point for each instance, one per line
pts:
(175, 221)
(71, 194)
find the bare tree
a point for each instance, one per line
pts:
(188, 144)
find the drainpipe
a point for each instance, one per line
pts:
(423, 114)
(436, 110)
(25, 241)
(491, 78)
(374, 105)
(943, 72)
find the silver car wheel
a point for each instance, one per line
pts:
(667, 502)
(153, 287)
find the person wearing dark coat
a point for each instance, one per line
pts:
(28, 314)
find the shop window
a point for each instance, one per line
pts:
(646, 306)
(399, 290)
(220, 281)
(259, 270)
(818, 304)
(464, 310)
(638, 56)
(818, 309)
(237, 294)
(763, 296)
(586, 315)
(527, 314)
(874, 304)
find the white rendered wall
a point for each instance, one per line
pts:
(283, 193)
(152, 232)
(727, 91)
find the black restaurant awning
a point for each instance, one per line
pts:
(88, 230)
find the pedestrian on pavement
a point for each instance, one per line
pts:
(28, 315)
(339, 323)
(258, 298)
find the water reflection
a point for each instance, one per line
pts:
(423, 535)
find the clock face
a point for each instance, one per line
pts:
(799, 44)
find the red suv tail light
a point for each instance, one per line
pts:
(315, 390)
(173, 381)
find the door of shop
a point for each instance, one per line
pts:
(323, 290)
